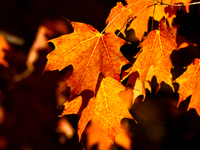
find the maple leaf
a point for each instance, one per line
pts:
(107, 109)
(154, 58)
(118, 16)
(140, 24)
(3, 46)
(140, 8)
(189, 84)
(90, 53)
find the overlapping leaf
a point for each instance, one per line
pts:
(154, 57)
(189, 84)
(107, 109)
(90, 53)
(140, 9)
(140, 24)
(118, 16)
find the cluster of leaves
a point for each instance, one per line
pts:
(97, 62)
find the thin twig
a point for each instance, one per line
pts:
(126, 22)
(178, 5)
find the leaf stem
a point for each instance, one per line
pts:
(126, 9)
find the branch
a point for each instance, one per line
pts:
(178, 5)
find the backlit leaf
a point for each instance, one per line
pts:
(189, 84)
(90, 53)
(154, 57)
(107, 109)
(140, 11)
(120, 15)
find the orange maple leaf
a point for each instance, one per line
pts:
(140, 24)
(3, 46)
(139, 11)
(107, 109)
(189, 84)
(90, 53)
(154, 58)
(118, 16)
